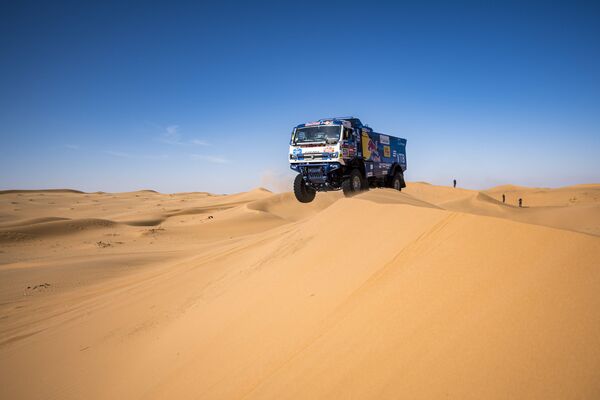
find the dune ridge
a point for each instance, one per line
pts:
(29, 191)
(432, 292)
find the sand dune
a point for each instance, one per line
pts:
(575, 208)
(537, 197)
(434, 292)
(21, 191)
(285, 206)
(54, 227)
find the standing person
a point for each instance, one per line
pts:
(454, 183)
(520, 202)
(503, 198)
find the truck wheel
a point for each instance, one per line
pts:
(303, 193)
(397, 181)
(355, 184)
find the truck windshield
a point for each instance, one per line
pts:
(317, 134)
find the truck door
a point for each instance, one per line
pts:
(349, 147)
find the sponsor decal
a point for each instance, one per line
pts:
(329, 149)
(374, 151)
(297, 151)
(365, 146)
(386, 151)
(384, 139)
(369, 174)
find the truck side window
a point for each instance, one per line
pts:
(347, 134)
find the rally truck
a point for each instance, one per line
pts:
(342, 153)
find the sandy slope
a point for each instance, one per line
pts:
(429, 293)
(575, 208)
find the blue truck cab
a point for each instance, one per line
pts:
(343, 154)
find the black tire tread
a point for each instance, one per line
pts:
(347, 184)
(303, 193)
(398, 176)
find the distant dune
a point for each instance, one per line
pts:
(575, 208)
(428, 293)
(22, 191)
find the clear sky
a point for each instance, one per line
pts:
(178, 96)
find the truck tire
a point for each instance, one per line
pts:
(303, 193)
(356, 183)
(397, 181)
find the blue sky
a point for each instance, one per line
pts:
(179, 96)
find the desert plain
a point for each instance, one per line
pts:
(432, 292)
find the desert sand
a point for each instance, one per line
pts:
(430, 293)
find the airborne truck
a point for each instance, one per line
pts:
(342, 153)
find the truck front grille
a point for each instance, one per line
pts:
(316, 174)
(314, 156)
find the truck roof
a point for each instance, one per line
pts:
(353, 121)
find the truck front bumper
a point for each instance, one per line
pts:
(318, 175)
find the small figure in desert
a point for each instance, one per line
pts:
(454, 182)
(503, 198)
(520, 202)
